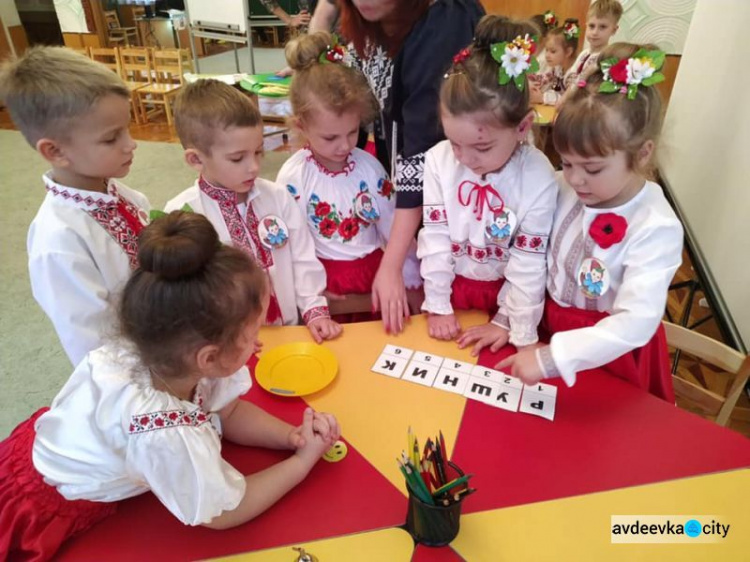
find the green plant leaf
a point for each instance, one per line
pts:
(156, 214)
(632, 91)
(502, 77)
(520, 81)
(187, 208)
(534, 66)
(608, 88)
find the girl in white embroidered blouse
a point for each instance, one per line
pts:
(616, 241)
(489, 198)
(343, 192)
(148, 412)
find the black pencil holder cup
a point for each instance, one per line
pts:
(433, 525)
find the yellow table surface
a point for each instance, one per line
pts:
(392, 405)
(578, 528)
(391, 545)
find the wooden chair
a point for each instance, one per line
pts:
(116, 34)
(168, 73)
(135, 65)
(85, 51)
(359, 303)
(109, 57)
(717, 354)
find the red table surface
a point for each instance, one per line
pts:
(335, 499)
(606, 434)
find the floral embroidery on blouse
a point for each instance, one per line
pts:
(142, 423)
(385, 188)
(329, 222)
(531, 243)
(293, 191)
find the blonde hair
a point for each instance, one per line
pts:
(606, 9)
(335, 86)
(207, 106)
(591, 123)
(49, 89)
(472, 85)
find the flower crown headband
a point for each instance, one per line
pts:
(516, 59)
(334, 52)
(550, 19)
(571, 30)
(625, 75)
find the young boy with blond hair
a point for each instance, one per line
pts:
(222, 134)
(602, 23)
(83, 242)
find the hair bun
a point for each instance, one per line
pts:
(178, 245)
(305, 50)
(498, 29)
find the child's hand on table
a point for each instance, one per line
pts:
(311, 445)
(324, 329)
(482, 336)
(443, 326)
(324, 425)
(523, 365)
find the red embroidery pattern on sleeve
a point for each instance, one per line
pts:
(141, 423)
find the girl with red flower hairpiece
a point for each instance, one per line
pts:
(343, 191)
(150, 409)
(615, 245)
(489, 198)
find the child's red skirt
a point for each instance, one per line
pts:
(353, 277)
(34, 518)
(646, 367)
(470, 294)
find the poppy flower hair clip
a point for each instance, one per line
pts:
(462, 55)
(571, 30)
(516, 59)
(550, 19)
(334, 53)
(626, 75)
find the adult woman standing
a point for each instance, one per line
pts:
(404, 47)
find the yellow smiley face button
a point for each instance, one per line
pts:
(336, 453)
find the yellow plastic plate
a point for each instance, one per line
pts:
(296, 369)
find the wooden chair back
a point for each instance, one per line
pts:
(109, 57)
(136, 65)
(717, 354)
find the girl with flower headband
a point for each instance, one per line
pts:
(560, 50)
(616, 243)
(489, 197)
(344, 192)
(148, 411)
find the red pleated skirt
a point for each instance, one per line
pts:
(353, 277)
(646, 367)
(470, 294)
(34, 518)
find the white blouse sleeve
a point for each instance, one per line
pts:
(309, 274)
(183, 467)
(435, 243)
(72, 292)
(290, 178)
(220, 392)
(650, 265)
(521, 305)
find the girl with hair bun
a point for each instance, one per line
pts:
(616, 242)
(489, 198)
(343, 191)
(148, 412)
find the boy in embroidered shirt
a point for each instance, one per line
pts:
(83, 242)
(222, 133)
(601, 24)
